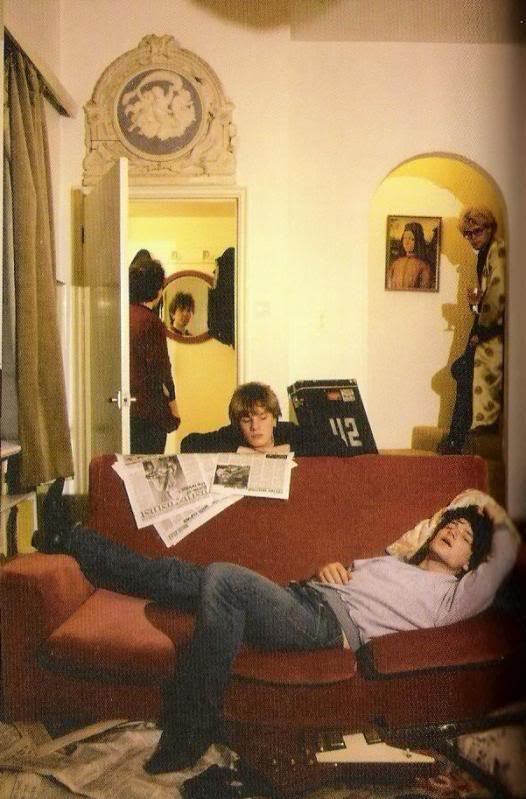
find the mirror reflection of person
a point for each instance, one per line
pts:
(153, 413)
(181, 310)
(411, 269)
(479, 370)
(254, 413)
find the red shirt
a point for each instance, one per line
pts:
(151, 381)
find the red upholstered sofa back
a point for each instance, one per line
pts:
(338, 509)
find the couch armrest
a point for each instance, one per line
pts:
(491, 636)
(48, 588)
(37, 593)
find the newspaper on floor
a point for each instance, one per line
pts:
(24, 736)
(253, 474)
(160, 485)
(25, 785)
(110, 765)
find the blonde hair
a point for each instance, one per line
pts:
(250, 395)
(477, 215)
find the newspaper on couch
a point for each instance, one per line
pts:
(253, 474)
(159, 485)
(178, 493)
(178, 525)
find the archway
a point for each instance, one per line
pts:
(414, 336)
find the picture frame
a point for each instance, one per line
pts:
(412, 253)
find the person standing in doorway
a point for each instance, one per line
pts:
(153, 413)
(479, 370)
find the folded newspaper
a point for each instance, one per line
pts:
(178, 493)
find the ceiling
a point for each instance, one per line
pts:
(468, 21)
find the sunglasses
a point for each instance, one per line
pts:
(474, 232)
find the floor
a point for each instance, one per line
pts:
(112, 763)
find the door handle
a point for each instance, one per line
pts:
(121, 401)
(116, 400)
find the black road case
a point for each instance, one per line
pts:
(336, 405)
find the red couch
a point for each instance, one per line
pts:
(71, 650)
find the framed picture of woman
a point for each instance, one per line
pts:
(412, 253)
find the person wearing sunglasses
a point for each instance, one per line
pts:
(479, 370)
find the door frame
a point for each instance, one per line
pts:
(237, 193)
(138, 192)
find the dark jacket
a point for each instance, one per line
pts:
(151, 381)
(221, 300)
(301, 441)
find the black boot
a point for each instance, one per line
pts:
(451, 446)
(179, 748)
(55, 521)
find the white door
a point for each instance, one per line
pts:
(107, 388)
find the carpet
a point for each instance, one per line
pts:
(111, 767)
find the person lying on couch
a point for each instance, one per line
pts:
(254, 413)
(452, 576)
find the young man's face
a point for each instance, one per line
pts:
(181, 317)
(453, 545)
(258, 428)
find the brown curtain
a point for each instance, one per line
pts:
(43, 430)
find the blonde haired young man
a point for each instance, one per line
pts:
(254, 413)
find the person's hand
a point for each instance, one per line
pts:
(335, 573)
(492, 510)
(174, 411)
(474, 295)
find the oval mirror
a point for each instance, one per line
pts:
(185, 306)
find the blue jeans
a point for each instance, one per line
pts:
(232, 605)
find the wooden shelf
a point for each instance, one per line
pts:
(18, 512)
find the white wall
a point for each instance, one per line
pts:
(409, 340)
(357, 111)
(320, 126)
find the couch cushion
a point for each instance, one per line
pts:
(321, 667)
(121, 637)
(488, 637)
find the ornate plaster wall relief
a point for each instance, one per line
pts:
(164, 109)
